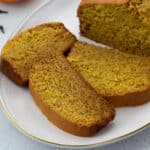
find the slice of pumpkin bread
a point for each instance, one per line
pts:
(121, 78)
(66, 99)
(21, 52)
(122, 24)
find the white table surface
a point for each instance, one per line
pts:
(11, 138)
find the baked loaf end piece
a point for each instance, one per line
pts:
(21, 52)
(122, 24)
(123, 79)
(66, 99)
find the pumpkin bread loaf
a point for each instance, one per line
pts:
(122, 24)
(123, 79)
(66, 99)
(21, 52)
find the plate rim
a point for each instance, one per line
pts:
(42, 140)
(13, 121)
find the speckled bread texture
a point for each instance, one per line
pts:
(21, 52)
(121, 24)
(123, 79)
(66, 99)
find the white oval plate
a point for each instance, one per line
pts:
(20, 108)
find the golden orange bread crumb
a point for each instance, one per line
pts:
(121, 78)
(66, 99)
(121, 24)
(29, 47)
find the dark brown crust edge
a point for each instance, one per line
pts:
(83, 2)
(130, 99)
(62, 123)
(11, 73)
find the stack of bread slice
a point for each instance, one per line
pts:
(61, 93)
(77, 92)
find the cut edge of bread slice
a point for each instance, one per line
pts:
(58, 119)
(11, 72)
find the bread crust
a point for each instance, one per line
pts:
(11, 72)
(130, 99)
(104, 2)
